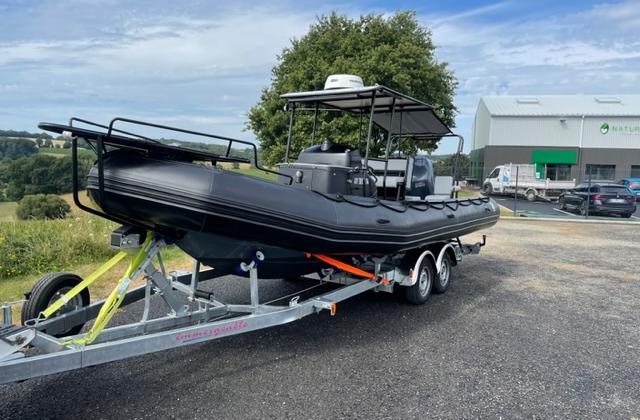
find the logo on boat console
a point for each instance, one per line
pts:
(209, 332)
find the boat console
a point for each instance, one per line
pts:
(330, 168)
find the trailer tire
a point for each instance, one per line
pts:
(419, 293)
(47, 290)
(443, 278)
(530, 195)
(488, 189)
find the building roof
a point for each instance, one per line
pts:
(563, 105)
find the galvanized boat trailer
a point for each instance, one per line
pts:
(194, 316)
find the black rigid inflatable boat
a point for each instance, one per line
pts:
(196, 201)
(330, 201)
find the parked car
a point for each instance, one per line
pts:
(601, 198)
(633, 185)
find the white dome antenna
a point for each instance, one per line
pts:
(343, 81)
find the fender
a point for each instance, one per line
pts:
(416, 267)
(441, 256)
(437, 262)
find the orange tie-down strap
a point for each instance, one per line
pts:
(347, 267)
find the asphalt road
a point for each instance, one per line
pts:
(545, 209)
(543, 323)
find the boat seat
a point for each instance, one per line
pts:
(329, 153)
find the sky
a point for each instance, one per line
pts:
(202, 64)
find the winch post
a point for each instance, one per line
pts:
(195, 270)
(253, 279)
(6, 314)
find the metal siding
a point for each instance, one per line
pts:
(535, 131)
(481, 126)
(562, 105)
(593, 138)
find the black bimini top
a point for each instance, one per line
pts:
(411, 116)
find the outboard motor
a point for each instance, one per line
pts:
(419, 178)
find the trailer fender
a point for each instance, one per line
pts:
(448, 248)
(416, 267)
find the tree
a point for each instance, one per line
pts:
(396, 52)
(444, 166)
(48, 143)
(16, 148)
(43, 174)
(42, 206)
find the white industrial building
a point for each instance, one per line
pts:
(565, 136)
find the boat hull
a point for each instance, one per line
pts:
(202, 205)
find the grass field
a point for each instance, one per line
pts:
(8, 211)
(79, 244)
(256, 172)
(59, 152)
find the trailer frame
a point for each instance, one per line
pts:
(202, 318)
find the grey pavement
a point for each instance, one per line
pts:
(543, 323)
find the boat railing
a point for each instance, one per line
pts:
(112, 132)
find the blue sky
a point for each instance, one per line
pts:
(202, 64)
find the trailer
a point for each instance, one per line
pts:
(523, 180)
(51, 342)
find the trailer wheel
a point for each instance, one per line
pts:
(419, 293)
(47, 290)
(443, 278)
(530, 195)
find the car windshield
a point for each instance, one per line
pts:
(613, 189)
(634, 185)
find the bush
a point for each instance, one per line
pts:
(42, 206)
(39, 246)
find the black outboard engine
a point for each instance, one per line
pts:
(419, 178)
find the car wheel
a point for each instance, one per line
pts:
(530, 195)
(561, 202)
(488, 189)
(583, 208)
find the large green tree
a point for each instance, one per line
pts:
(393, 51)
(42, 174)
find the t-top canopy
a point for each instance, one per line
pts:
(411, 118)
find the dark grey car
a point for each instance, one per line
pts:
(600, 198)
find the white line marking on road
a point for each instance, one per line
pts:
(636, 217)
(565, 212)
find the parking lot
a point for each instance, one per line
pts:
(544, 322)
(551, 209)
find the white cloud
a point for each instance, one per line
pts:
(203, 64)
(591, 51)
